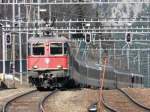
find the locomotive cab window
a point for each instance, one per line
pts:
(38, 49)
(56, 49)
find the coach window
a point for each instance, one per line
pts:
(38, 49)
(56, 49)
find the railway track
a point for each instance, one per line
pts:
(44, 101)
(108, 108)
(119, 101)
(28, 102)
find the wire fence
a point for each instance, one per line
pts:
(124, 61)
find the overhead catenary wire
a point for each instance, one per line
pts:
(56, 2)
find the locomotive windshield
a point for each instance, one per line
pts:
(38, 49)
(56, 48)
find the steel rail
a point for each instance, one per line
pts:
(8, 102)
(133, 100)
(129, 97)
(41, 104)
(105, 105)
(108, 107)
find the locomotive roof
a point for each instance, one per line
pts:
(47, 39)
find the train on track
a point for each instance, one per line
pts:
(49, 59)
(90, 75)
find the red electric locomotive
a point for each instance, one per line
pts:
(49, 59)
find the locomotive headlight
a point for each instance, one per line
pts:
(35, 66)
(59, 66)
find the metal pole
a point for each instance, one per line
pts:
(27, 37)
(13, 44)
(115, 66)
(85, 61)
(6, 55)
(39, 1)
(139, 63)
(69, 31)
(50, 11)
(20, 44)
(4, 59)
(148, 70)
(128, 60)
(86, 56)
(100, 52)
